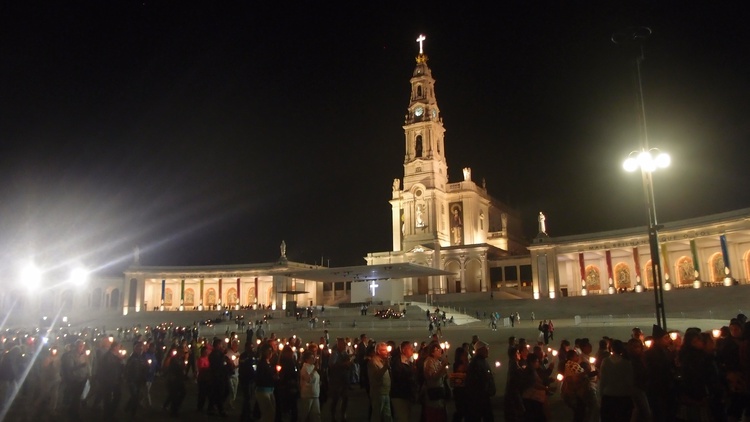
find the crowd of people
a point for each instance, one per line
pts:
(667, 376)
(270, 379)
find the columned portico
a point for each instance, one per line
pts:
(217, 287)
(706, 251)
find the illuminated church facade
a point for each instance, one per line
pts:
(455, 226)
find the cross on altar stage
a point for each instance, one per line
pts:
(373, 286)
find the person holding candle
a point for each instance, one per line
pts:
(265, 382)
(379, 375)
(309, 385)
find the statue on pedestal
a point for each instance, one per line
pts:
(542, 225)
(283, 249)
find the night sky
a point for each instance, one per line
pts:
(207, 134)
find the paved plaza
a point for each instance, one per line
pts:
(594, 323)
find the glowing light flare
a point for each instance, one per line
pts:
(560, 377)
(278, 368)
(592, 360)
(673, 335)
(716, 333)
(79, 276)
(646, 161)
(648, 343)
(31, 276)
(554, 353)
(389, 348)
(497, 364)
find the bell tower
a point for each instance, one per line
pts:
(419, 209)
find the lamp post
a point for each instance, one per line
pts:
(647, 163)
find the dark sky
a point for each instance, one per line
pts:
(207, 134)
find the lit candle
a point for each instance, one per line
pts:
(321, 346)
(559, 377)
(54, 352)
(716, 333)
(233, 358)
(497, 364)
(281, 346)
(278, 368)
(592, 360)
(149, 361)
(88, 352)
(389, 348)
(554, 353)
(258, 341)
(648, 343)
(673, 335)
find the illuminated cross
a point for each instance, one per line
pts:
(373, 286)
(419, 40)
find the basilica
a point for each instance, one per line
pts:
(448, 237)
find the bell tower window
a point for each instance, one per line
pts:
(418, 146)
(419, 91)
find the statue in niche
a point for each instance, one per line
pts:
(456, 225)
(420, 220)
(396, 184)
(542, 224)
(283, 249)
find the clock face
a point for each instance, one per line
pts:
(418, 111)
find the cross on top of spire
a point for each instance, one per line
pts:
(420, 39)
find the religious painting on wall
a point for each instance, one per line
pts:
(457, 223)
(232, 297)
(251, 295)
(593, 278)
(717, 267)
(211, 297)
(168, 297)
(189, 297)
(685, 270)
(622, 276)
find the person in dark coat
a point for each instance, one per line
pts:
(660, 389)
(109, 376)
(480, 385)
(220, 372)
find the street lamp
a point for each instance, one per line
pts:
(647, 160)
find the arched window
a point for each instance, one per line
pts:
(419, 91)
(418, 146)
